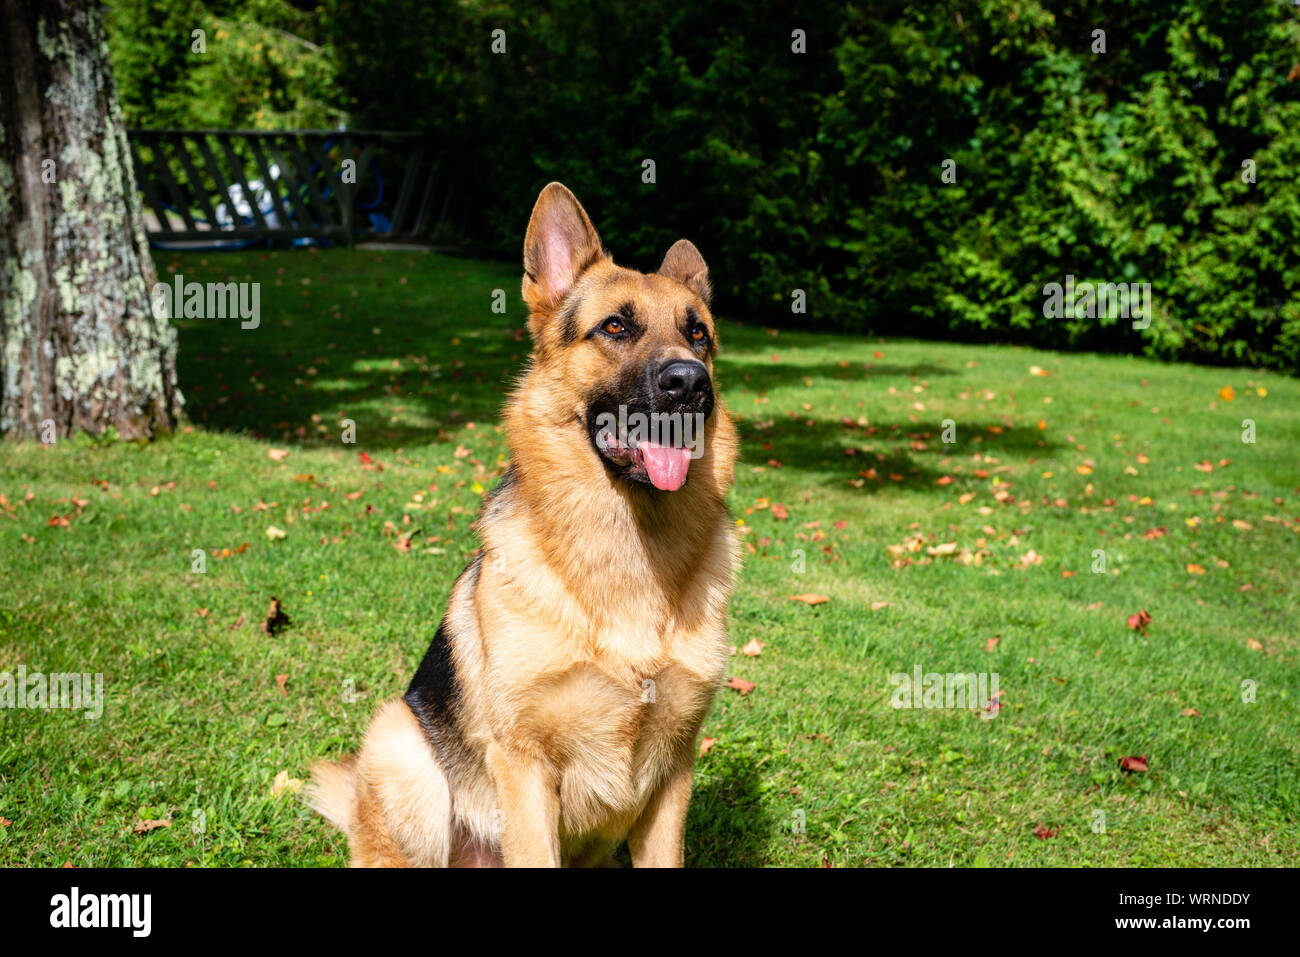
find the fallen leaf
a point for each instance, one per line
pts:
(1043, 833)
(1133, 764)
(1227, 394)
(753, 649)
(706, 745)
(1254, 645)
(280, 682)
(238, 621)
(1139, 621)
(276, 619)
(278, 455)
(144, 827)
(741, 685)
(1194, 569)
(284, 783)
(810, 599)
(273, 533)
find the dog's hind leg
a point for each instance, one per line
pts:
(403, 814)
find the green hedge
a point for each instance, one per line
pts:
(821, 170)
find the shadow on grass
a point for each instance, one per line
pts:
(762, 376)
(836, 452)
(727, 824)
(295, 381)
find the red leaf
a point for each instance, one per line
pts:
(1133, 764)
(741, 685)
(1139, 621)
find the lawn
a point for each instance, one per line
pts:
(1059, 463)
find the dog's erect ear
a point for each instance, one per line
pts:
(685, 264)
(559, 246)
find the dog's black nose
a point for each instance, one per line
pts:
(682, 379)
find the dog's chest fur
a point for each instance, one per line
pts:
(610, 691)
(609, 708)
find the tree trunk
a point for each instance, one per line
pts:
(80, 348)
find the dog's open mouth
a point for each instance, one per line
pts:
(664, 465)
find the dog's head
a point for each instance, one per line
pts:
(628, 354)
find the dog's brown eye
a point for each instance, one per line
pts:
(699, 333)
(613, 326)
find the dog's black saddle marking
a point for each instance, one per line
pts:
(434, 696)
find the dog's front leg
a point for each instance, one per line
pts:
(529, 799)
(658, 838)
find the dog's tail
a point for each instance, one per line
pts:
(332, 792)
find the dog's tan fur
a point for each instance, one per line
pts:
(589, 638)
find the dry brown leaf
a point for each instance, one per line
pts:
(276, 619)
(810, 599)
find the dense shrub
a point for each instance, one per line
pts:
(821, 171)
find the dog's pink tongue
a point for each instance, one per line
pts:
(665, 464)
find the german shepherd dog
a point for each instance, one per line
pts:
(556, 710)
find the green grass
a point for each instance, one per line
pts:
(406, 345)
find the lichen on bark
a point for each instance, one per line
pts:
(79, 343)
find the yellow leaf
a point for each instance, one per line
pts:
(284, 783)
